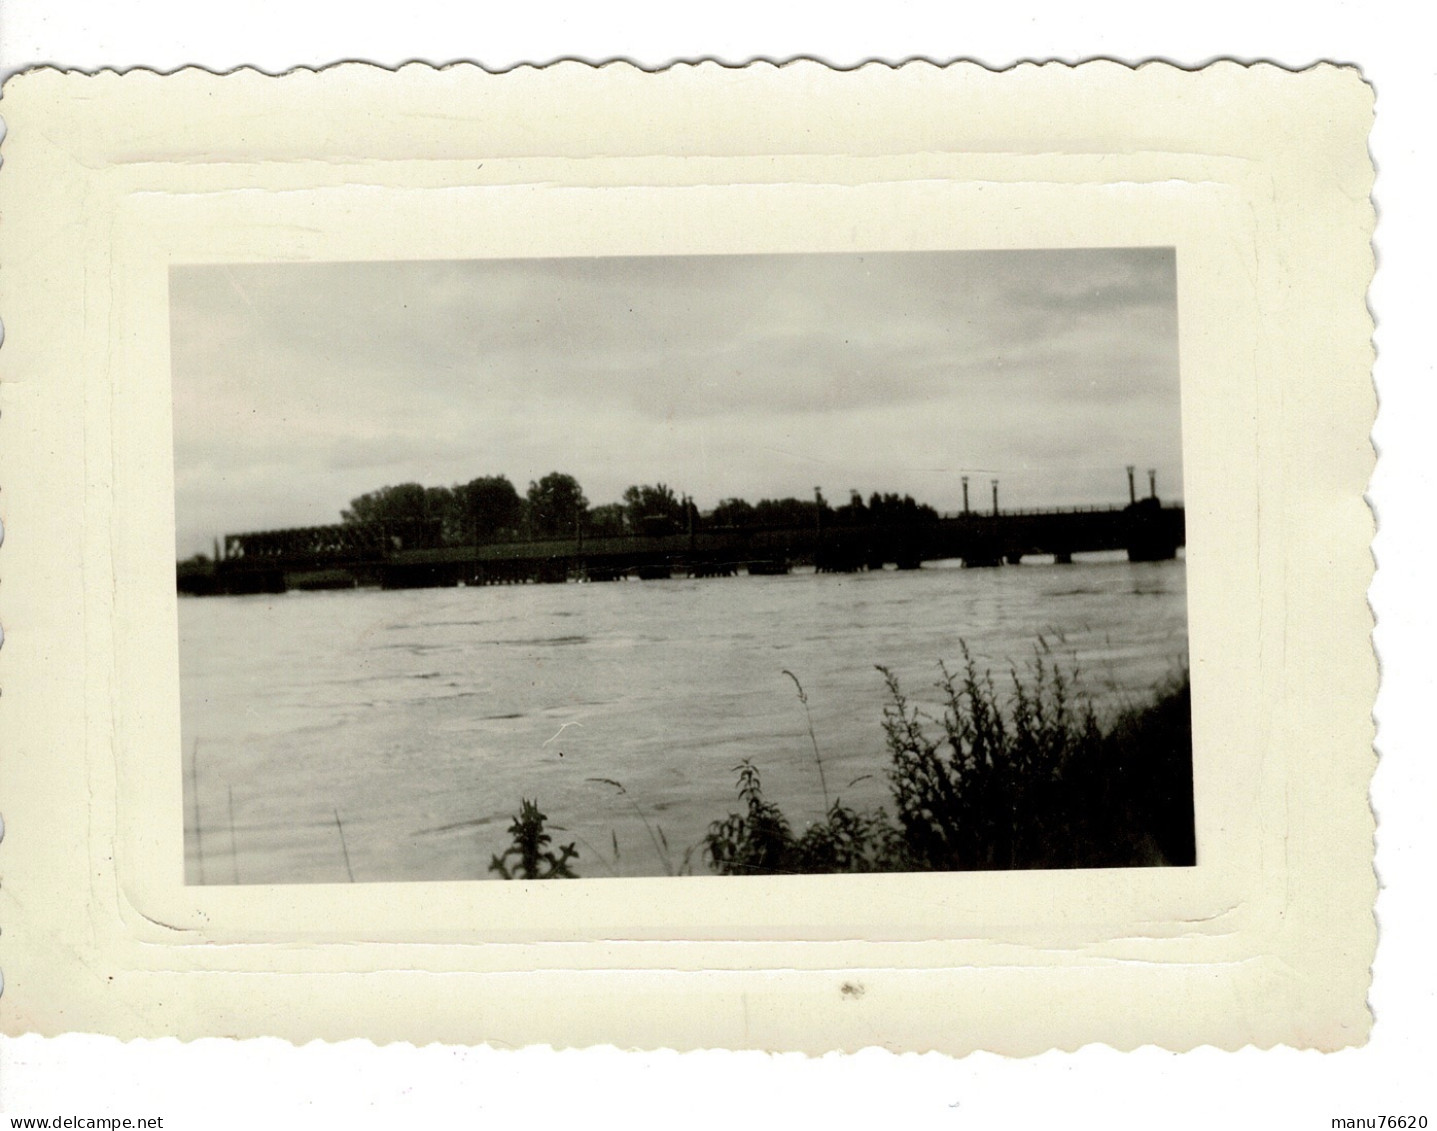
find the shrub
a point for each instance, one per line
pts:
(760, 840)
(1032, 782)
(1138, 789)
(850, 840)
(993, 788)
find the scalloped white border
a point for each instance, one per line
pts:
(1273, 187)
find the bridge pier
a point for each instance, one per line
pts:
(421, 576)
(321, 579)
(1152, 536)
(839, 558)
(1152, 551)
(711, 569)
(555, 571)
(1062, 557)
(981, 551)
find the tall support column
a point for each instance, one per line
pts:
(965, 494)
(1132, 487)
(1152, 483)
(995, 497)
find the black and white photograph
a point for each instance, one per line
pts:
(893, 537)
(681, 565)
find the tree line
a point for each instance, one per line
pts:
(491, 509)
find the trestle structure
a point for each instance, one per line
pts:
(405, 555)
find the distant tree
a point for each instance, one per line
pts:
(442, 504)
(556, 505)
(733, 512)
(655, 510)
(607, 521)
(788, 512)
(488, 508)
(853, 512)
(404, 501)
(895, 510)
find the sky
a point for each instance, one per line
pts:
(299, 386)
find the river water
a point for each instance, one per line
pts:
(392, 735)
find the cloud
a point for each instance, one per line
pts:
(310, 383)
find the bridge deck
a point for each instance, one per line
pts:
(402, 555)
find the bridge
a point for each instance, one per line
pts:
(412, 554)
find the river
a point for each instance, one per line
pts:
(391, 735)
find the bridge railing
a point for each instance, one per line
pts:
(1031, 512)
(338, 541)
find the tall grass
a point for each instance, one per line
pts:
(812, 738)
(656, 838)
(344, 847)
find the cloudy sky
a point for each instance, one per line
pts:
(298, 386)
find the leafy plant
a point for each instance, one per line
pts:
(851, 840)
(529, 842)
(760, 841)
(755, 842)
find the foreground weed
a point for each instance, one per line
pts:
(529, 843)
(755, 842)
